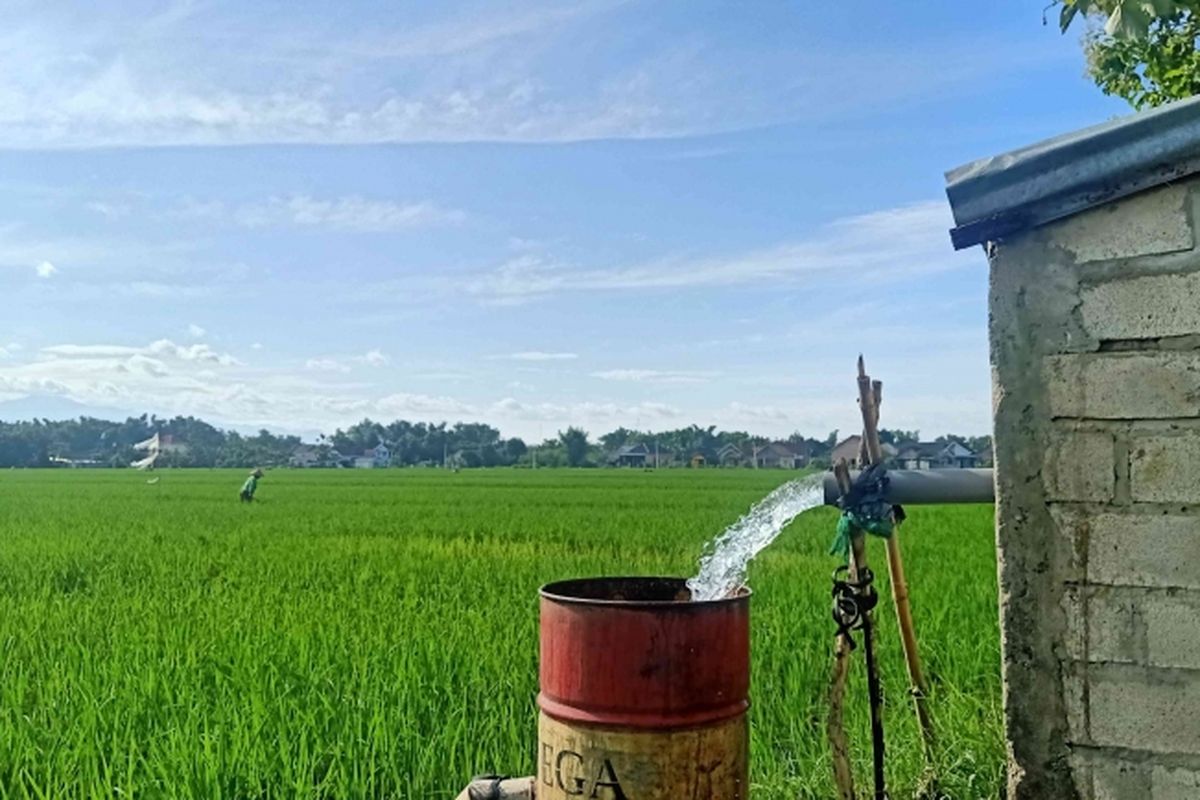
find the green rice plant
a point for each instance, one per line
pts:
(373, 634)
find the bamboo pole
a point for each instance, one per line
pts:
(843, 775)
(870, 395)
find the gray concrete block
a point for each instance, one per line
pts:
(1141, 708)
(1141, 549)
(1116, 629)
(1118, 780)
(1130, 625)
(1174, 784)
(1159, 385)
(1149, 223)
(1163, 469)
(1172, 624)
(1142, 308)
(1079, 466)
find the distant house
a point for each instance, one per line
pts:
(630, 455)
(311, 455)
(305, 455)
(779, 455)
(847, 449)
(640, 455)
(731, 456)
(372, 458)
(985, 457)
(935, 455)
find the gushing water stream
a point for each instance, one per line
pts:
(723, 565)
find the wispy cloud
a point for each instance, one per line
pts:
(109, 210)
(169, 379)
(882, 246)
(537, 355)
(164, 348)
(371, 358)
(585, 413)
(195, 331)
(654, 376)
(524, 74)
(326, 365)
(470, 33)
(46, 270)
(374, 358)
(757, 413)
(353, 214)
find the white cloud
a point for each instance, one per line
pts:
(167, 378)
(423, 406)
(46, 269)
(654, 376)
(891, 245)
(164, 290)
(373, 358)
(109, 210)
(256, 346)
(743, 411)
(195, 331)
(585, 413)
(163, 348)
(354, 214)
(192, 209)
(104, 79)
(325, 365)
(538, 355)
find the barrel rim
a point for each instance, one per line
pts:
(555, 591)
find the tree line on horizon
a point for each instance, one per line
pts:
(106, 443)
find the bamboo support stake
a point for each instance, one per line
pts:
(843, 775)
(870, 398)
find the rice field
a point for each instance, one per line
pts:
(361, 634)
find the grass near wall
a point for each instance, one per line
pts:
(374, 634)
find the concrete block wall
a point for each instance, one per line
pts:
(1095, 340)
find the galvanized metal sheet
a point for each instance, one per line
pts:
(1002, 195)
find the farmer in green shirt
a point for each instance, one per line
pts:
(250, 485)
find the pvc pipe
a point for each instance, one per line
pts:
(498, 789)
(929, 486)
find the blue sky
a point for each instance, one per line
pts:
(528, 213)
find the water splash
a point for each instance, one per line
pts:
(723, 565)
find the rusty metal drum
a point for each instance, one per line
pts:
(643, 693)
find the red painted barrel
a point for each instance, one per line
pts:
(643, 692)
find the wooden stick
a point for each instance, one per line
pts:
(843, 776)
(870, 395)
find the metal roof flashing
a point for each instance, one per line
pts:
(999, 196)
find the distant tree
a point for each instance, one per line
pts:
(575, 443)
(897, 436)
(978, 444)
(515, 449)
(359, 437)
(621, 436)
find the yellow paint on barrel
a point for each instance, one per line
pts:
(595, 762)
